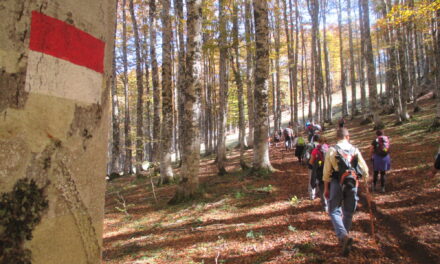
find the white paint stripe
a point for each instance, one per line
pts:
(56, 77)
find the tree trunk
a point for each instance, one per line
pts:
(303, 67)
(166, 171)
(115, 166)
(147, 130)
(249, 71)
(261, 148)
(224, 87)
(371, 71)
(354, 110)
(362, 62)
(127, 127)
(313, 7)
(290, 62)
(295, 61)
(178, 4)
(140, 93)
(328, 115)
(436, 123)
(191, 93)
(156, 88)
(341, 60)
(237, 73)
(277, 65)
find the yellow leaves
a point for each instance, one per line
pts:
(420, 14)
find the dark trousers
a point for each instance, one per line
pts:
(382, 178)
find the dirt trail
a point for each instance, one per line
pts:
(245, 219)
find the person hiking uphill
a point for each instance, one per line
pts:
(343, 166)
(436, 166)
(317, 163)
(288, 137)
(380, 155)
(300, 144)
(307, 154)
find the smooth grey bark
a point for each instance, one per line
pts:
(115, 161)
(261, 149)
(354, 110)
(295, 59)
(328, 82)
(147, 130)
(362, 56)
(236, 67)
(371, 71)
(166, 171)
(224, 88)
(303, 67)
(178, 5)
(290, 61)
(277, 46)
(140, 93)
(127, 127)
(191, 149)
(155, 77)
(341, 61)
(249, 70)
(313, 8)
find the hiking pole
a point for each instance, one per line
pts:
(370, 209)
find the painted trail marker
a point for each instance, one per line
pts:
(64, 61)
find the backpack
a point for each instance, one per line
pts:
(318, 165)
(348, 169)
(301, 142)
(308, 151)
(382, 147)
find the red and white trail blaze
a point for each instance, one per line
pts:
(68, 61)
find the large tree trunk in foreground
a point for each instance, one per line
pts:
(127, 127)
(166, 171)
(371, 70)
(261, 147)
(223, 75)
(156, 87)
(191, 150)
(140, 94)
(54, 128)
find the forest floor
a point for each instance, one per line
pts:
(247, 219)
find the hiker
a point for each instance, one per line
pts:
(341, 122)
(299, 144)
(343, 166)
(380, 155)
(310, 131)
(436, 166)
(276, 138)
(317, 163)
(288, 137)
(307, 153)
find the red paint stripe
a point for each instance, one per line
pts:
(59, 39)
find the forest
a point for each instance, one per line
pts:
(200, 88)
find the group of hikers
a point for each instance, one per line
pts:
(334, 173)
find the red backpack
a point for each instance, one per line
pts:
(382, 146)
